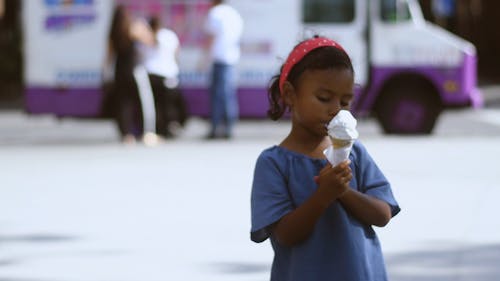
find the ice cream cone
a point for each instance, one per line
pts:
(339, 143)
(343, 133)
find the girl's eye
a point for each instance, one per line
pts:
(323, 99)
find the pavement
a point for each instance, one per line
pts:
(77, 205)
(491, 95)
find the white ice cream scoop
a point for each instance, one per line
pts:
(343, 126)
(343, 133)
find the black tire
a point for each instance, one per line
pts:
(408, 108)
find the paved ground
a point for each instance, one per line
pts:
(77, 205)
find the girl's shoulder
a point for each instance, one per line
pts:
(282, 153)
(360, 155)
(274, 152)
(286, 159)
(286, 162)
(271, 158)
(358, 148)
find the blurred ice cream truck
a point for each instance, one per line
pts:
(407, 70)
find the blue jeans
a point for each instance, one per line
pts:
(223, 99)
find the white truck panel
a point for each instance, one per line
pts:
(65, 45)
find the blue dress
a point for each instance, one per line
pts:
(340, 247)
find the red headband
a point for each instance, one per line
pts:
(300, 51)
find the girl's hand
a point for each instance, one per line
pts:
(333, 182)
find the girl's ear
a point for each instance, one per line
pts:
(288, 94)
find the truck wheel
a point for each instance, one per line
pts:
(408, 110)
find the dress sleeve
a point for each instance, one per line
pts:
(371, 180)
(270, 199)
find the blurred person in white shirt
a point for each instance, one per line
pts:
(161, 62)
(224, 27)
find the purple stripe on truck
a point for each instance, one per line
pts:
(252, 102)
(78, 102)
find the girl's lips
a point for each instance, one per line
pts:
(325, 127)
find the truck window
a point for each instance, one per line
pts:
(328, 11)
(394, 10)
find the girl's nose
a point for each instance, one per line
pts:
(334, 109)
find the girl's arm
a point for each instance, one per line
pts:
(365, 208)
(297, 225)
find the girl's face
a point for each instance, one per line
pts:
(318, 97)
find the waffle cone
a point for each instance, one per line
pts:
(340, 143)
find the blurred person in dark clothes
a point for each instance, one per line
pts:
(125, 35)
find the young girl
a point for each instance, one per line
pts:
(319, 218)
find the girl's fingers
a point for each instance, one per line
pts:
(325, 169)
(348, 178)
(344, 172)
(342, 166)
